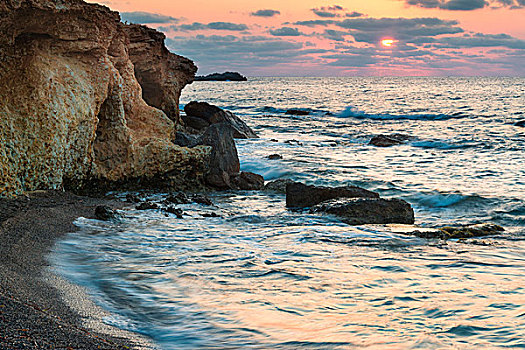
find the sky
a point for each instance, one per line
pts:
(340, 38)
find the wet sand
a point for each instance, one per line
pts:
(38, 309)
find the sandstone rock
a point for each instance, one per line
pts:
(248, 181)
(212, 115)
(299, 195)
(226, 76)
(73, 114)
(161, 74)
(360, 211)
(389, 140)
(278, 185)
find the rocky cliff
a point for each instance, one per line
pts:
(86, 99)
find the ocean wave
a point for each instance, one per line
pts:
(438, 199)
(353, 112)
(442, 144)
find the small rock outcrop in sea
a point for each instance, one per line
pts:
(299, 195)
(360, 211)
(226, 76)
(458, 232)
(297, 112)
(389, 140)
(274, 156)
(200, 115)
(520, 123)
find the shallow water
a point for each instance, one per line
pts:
(266, 277)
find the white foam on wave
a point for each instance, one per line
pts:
(353, 112)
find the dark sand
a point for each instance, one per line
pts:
(39, 310)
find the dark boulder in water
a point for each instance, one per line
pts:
(105, 213)
(147, 206)
(200, 115)
(174, 210)
(226, 76)
(389, 140)
(248, 181)
(299, 195)
(361, 211)
(195, 122)
(201, 199)
(224, 159)
(278, 185)
(520, 123)
(179, 198)
(275, 156)
(297, 112)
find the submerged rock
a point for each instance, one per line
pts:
(299, 195)
(226, 76)
(453, 232)
(201, 114)
(361, 211)
(278, 185)
(389, 140)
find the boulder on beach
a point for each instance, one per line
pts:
(299, 195)
(361, 211)
(226, 76)
(200, 115)
(389, 140)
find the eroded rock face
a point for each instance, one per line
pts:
(72, 111)
(299, 195)
(361, 211)
(161, 74)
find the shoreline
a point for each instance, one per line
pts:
(38, 308)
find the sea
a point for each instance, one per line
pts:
(264, 277)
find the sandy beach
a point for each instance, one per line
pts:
(37, 308)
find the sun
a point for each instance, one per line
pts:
(388, 42)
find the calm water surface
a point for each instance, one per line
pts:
(264, 277)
